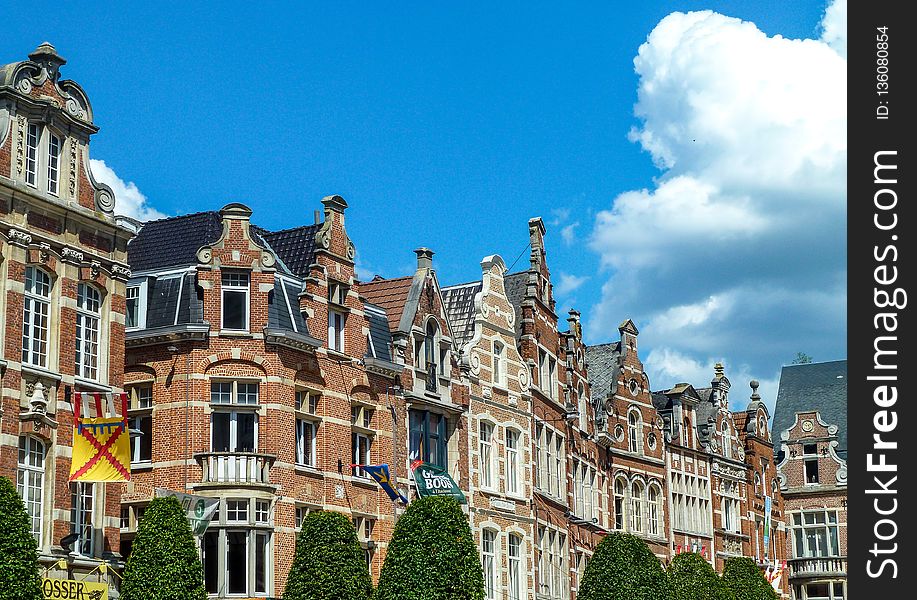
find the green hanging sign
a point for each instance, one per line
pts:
(436, 481)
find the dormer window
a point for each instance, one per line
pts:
(235, 300)
(499, 368)
(337, 293)
(42, 156)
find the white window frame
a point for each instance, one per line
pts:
(55, 146)
(499, 368)
(337, 323)
(228, 285)
(620, 503)
(30, 481)
(727, 440)
(635, 431)
(583, 407)
(800, 531)
(489, 562)
(361, 446)
(32, 144)
(88, 331)
(513, 460)
(486, 454)
(36, 316)
(654, 508)
(258, 541)
(514, 570)
(82, 496)
(306, 431)
(141, 292)
(637, 491)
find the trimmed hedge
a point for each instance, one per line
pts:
(432, 555)
(19, 577)
(743, 579)
(164, 562)
(692, 578)
(623, 568)
(329, 562)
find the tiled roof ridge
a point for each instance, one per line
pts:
(185, 216)
(459, 285)
(287, 230)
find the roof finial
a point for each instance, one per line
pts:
(754, 390)
(719, 371)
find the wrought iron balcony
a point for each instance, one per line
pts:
(240, 468)
(431, 377)
(817, 566)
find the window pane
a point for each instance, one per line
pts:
(220, 431)
(261, 549)
(237, 561)
(246, 431)
(210, 551)
(221, 392)
(235, 308)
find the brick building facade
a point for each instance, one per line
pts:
(262, 373)
(63, 267)
(811, 416)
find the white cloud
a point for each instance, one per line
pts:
(739, 249)
(129, 200)
(834, 26)
(568, 233)
(665, 367)
(567, 283)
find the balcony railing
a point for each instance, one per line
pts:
(431, 377)
(817, 566)
(235, 467)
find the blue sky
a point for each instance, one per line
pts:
(673, 185)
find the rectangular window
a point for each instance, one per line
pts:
(237, 561)
(35, 316)
(307, 401)
(237, 511)
(29, 480)
(361, 453)
(428, 437)
(514, 560)
(499, 369)
(81, 517)
(233, 392)
(262, 511)
(234, 431)
(815, 534)
(337, 293)
(301, 513)
(54, 148)
(512, 462)
(262, 556)
(135, 309)
(305, 443)
(210, 550)
(488, 557)
(235, 288)
(142, 445)
(336, 322)
(31, 154)
(485, 454)
(88, 307)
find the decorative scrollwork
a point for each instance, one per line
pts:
(475, 362)
(105, 200)
(71, 255)
(523, 379)
(19, 238)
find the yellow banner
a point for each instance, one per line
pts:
(101, 450)
(71, 589)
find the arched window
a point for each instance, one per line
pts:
(636, 506)
(620, 490)
(654, 509)
(36, 309)
(88, 313)
(727, 442)
(499, 364)
(583, 407)
(635, 431)
(757, 484)
(429, 345)
(686, 432)
(30, 478)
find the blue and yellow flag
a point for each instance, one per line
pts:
(384, 479)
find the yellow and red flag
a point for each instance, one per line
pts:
(101, 445)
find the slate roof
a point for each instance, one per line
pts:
(172, 300)
(815, 386)
(515, 284)
(294, 247)
(379, 332)
(389, 295)
(283, 308)
(459, 303)
(173, 242)
(603, 367)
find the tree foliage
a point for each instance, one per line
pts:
(743, 580)
(164, 562)
(692, 578)
(623, 568)
(19, 577)
(432, 555)
(329, 562)
(802, 359)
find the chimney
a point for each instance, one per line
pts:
(424, 258)
(318, 217)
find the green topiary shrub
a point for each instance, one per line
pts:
(692, 578)
(432, 555)
(19, 578)
(164, 562)
(623, 568)
(329, 562)
(743, 580)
